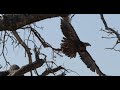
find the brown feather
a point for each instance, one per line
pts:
(68, 48)
(88, 60)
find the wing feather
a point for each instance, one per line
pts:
(70, 40)
(68, 31)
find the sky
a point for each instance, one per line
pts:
(88, 28)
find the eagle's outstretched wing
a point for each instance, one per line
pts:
(68, 31)
(71, 44)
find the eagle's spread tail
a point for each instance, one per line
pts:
(88, 60)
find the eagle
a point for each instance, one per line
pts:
(71, 45)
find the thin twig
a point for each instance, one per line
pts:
(110, 31)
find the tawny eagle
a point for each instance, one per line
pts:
(71, 45)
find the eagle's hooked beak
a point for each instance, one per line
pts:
(87, 44)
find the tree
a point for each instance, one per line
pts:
(11, 26)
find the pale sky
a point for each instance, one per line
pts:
(88, 28)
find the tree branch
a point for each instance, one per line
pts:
(4, 73)
(12, 22)
(27, 49)
(27, 68)
(48, 71)
(110, 31)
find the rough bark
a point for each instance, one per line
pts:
(13, 22)
(27, 68)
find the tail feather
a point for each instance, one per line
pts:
(88, 60)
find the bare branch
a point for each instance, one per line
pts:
(4, 73)
(13, 22)
(44, 43)
(48, 71)
(27, 49)
(110, 31)
(27, 68)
